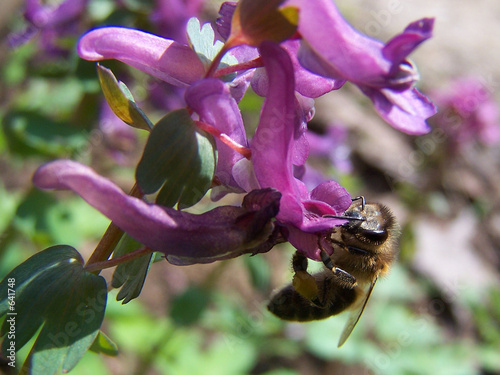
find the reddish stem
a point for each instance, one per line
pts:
(233, 41)
(98, 266)
(255, 63)
(245, 151)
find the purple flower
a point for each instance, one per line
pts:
(307, 83)
(119, 138)
(171, 17)
(222, 233)
(51, 21)
(330, 149)
(468, 113)
(273, 153)
(170, 61)
(331, 145)
(328, 53)
(43, 16)
(332, 48)
(333, 53)
(211, 100)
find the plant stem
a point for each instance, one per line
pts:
(216, 61)
(255, 63)
(106, 245)
(245, 151)
(110, 238)
(98, 266)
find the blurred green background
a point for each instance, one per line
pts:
(438, 312)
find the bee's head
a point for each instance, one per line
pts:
(371, 224)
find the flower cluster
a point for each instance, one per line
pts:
(51, 22)
(289, 52)
(468, 114)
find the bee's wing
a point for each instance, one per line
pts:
(354, 317)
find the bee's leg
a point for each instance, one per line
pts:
(303, 282)
(362, 201)
(346, 278)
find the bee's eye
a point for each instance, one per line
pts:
(374, 236)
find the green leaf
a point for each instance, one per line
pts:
(130, 275)
(282, 371)
(53, 291)
(121, 100)
(202, 40)
(186, 308)
(47, 221)
(177, 158)
(103, 344)
(260, 272)
(29, 133)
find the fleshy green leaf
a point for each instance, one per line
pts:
(121, 101)
(177, 158)
(53, 289)
(130, 276)
(103, 344)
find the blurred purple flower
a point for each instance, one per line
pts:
(171, 16)
(468, 113)
(273, 153)
(51, 22)
(329, 149)
(331, 145)
(119, 137)
(164, 96)
(222, 233)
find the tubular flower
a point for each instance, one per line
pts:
(170, 61)
(318, 53)
(273, 146)
(307, 83)
(332, 48)
(222, 233)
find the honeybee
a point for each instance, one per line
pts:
(362, 250)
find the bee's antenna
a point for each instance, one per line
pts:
(362, 201)
(328, 216)
(350, 217)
